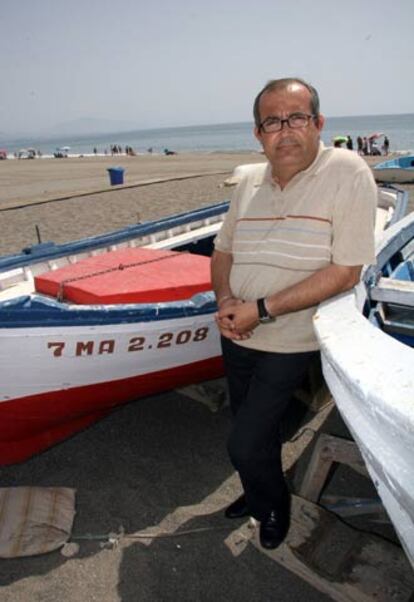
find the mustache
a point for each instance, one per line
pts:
(288, 141)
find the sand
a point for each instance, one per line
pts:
(36, 193)
(72, 198)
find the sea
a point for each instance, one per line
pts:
(224, 137)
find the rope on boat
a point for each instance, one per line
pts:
(120, 267)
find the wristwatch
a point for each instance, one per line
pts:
(264, 316)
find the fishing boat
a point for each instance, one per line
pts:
(398, 170)
(89, 325)
(372, 381)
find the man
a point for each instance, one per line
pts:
(298, 231)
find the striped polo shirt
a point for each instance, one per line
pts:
(277, 238)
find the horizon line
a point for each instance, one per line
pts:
(19, 136)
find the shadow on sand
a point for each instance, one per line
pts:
(133, 470)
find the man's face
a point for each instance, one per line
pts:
(289, 150)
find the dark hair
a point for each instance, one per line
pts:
(280, 84)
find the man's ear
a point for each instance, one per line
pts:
(320, 122)
(258, 134)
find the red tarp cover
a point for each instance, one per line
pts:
(137, 276)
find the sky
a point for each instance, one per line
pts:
(155, 63)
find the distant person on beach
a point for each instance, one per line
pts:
(349, 143)
(365, 150)
(359, 145)
(375, 151)
(167, 151)
(298, 231)
(386, 145)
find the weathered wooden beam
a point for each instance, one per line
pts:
(329, 449)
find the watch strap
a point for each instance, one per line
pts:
(264, 315)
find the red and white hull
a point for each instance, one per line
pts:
(60, 380)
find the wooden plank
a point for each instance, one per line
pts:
(342, 562)
(329, 449)
(344, 451)
(317, 471)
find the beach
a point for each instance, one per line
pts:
(160, 463)
(68, 199)
(35, 192)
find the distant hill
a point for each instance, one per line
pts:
(91, 125)
(84, 126)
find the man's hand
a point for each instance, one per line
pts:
(237, 320)
(225, 322)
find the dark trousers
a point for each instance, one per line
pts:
(261, 384)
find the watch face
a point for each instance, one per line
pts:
(266, 319)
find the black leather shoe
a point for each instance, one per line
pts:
(274, 529)
(237, 509)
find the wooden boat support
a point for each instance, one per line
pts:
(329, 449)
(344, 563)
(347, 564)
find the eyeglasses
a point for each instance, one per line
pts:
(294, 121)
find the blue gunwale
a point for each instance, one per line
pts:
(50, 250)
(404, 162)
(33, 311)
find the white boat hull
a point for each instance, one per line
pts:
(395, 175)
(68, 357)
(371, 377)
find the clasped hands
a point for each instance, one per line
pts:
(236, 319)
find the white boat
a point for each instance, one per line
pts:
(66, 362)
(397, 170)
(368, 364)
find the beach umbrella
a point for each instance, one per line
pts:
(375, 135)
(340, 138)
(65, 148)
